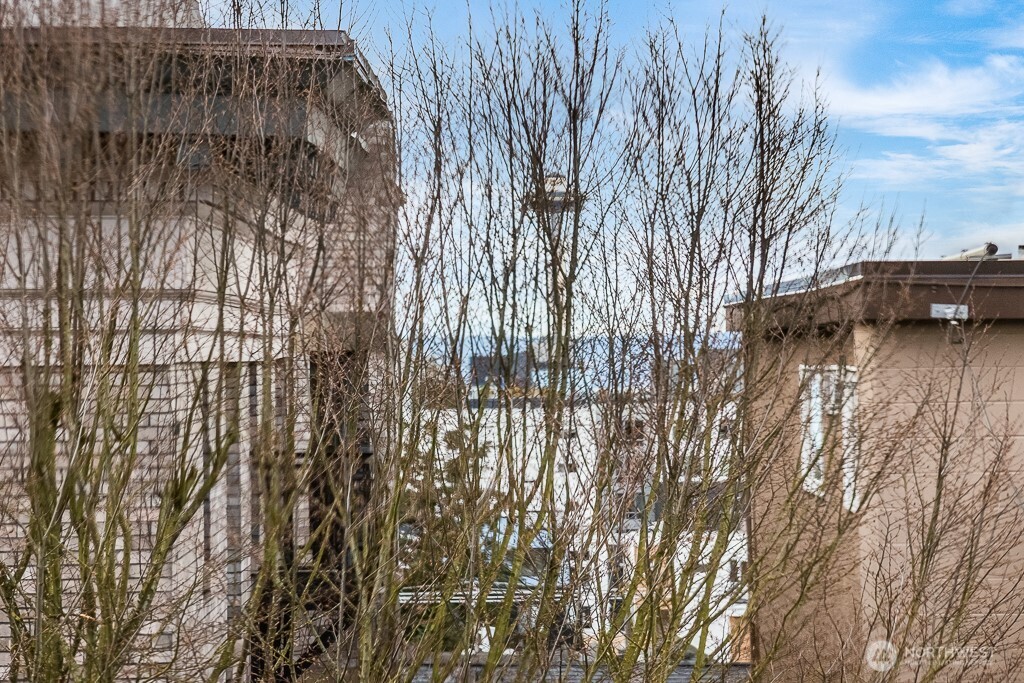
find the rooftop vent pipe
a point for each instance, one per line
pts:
(985, 251)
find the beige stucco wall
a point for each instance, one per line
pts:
(943, 542)
(933, 560)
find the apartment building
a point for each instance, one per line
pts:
(886, 537)
(589, 495)
(198, 226)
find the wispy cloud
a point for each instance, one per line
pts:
(902, 170)
(929, 101)
(974, 155)
(967, 8)
(1007, 37)
(935, 89)
(989, 148)
(942, 131)
(917, 127)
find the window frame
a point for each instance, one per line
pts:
(825, 407)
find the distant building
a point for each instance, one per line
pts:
(607, 499)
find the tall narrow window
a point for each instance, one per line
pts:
(828, 415)
(233, 485)
(255, 482)
(207, 428)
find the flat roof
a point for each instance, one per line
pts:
(893, 291)
(292, 43)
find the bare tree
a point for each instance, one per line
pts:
(577, 220)
(589, 393)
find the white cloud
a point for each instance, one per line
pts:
(934, 90)
(989, 148)
(1010, 37)
(935, 132)
(973, 152)
(967, 8)
(945, 132)
(901, 170)
(917, 127)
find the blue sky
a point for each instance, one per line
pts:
(928, 97)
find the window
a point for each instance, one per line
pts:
(164, 640)
(617, 570)
(737, 570)
(167, 569)
(633, 432)
(828, 410)
(637, 510)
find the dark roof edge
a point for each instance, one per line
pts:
(952, 273)
(896, 291)
(191, 35)
(299, 43)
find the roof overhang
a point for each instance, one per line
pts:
(330, 73)
(891, 291)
